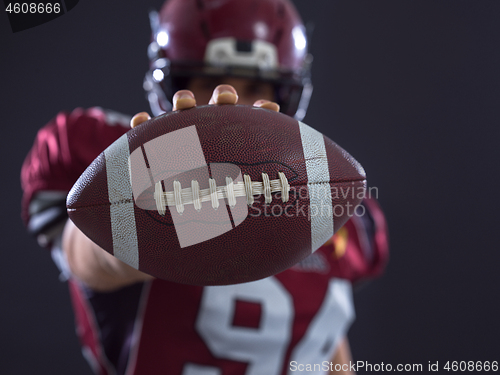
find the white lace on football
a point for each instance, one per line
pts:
(179, 197)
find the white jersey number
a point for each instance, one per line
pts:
(264, 348)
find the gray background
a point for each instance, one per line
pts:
(410, 88)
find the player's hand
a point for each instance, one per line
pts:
(185, 99)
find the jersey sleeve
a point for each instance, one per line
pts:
(360, 249)
(61, 152)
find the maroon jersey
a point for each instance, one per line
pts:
(161, 327)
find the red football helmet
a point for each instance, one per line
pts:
(257, 39)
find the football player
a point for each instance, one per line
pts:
(250, 52)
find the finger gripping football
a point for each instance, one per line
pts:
(217, 195)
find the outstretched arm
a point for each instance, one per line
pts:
(342, 358)
(97, 268)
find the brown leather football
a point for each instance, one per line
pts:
(217, 194)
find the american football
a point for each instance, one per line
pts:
(217, 195)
